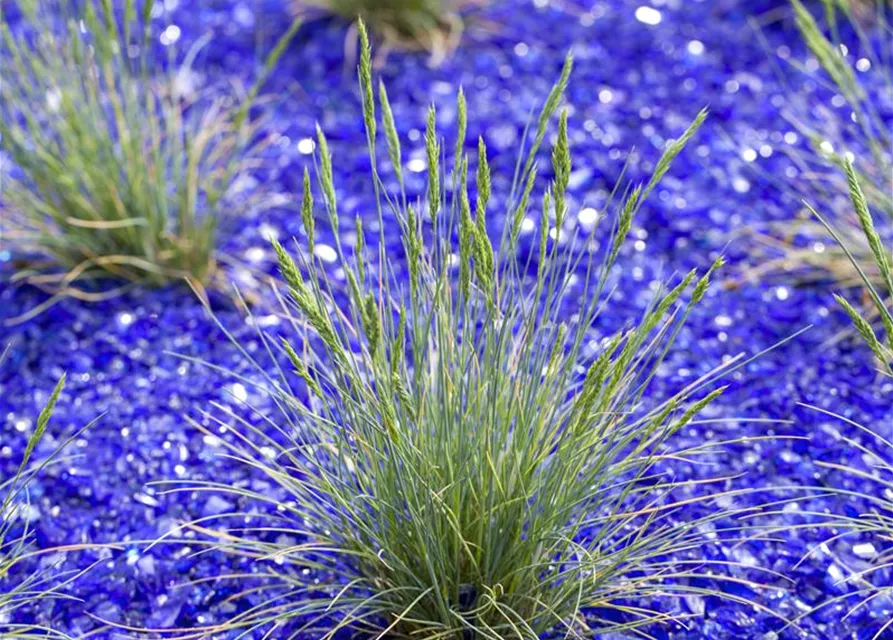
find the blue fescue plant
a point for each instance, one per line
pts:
(15, 537)
(874, 483)
(435, 26)
(857, 132)
(461, 459)
(116, 171)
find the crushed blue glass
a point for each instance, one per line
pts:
(644, 69)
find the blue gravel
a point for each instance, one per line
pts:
(634, 85)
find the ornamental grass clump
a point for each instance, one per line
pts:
(117, 171)
(15, 538)
(434, 26)
(854, 128)
(872, 481)
(456, 454)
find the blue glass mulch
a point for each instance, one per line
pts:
(634, 85)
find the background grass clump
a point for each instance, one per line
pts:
(435, 26)
(116, 171)
(456, 460)
(858, 131)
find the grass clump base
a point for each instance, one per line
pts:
(453, 447)
(434, 26)
(117, 172)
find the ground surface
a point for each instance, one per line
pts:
(635, 84)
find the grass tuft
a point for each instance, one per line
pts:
(876, 477)
(857, 134)
(461, 455)
(117, 172)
